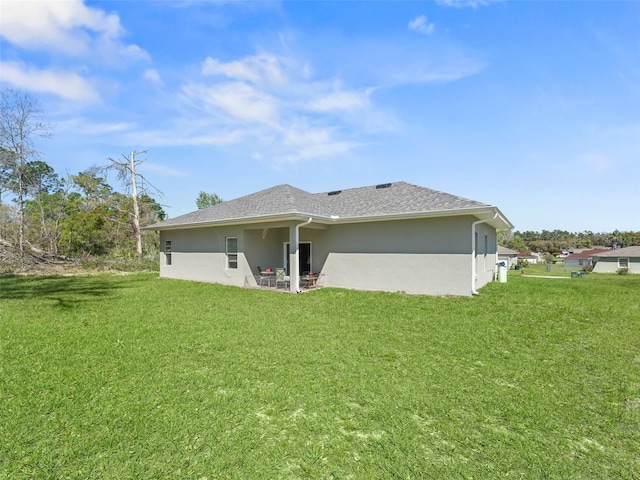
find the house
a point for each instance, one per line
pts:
(581, 259)
(508, 256)
(389, 237)
(610, 261)
(529, 257)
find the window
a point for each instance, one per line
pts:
(232, 252)
(486, 249)
(623, 263)
(167, 252)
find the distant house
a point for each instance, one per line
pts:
(582, 259)
(610, 261)
(390, 237)
(508, 256)
(529, 257)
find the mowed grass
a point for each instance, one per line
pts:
(141, 377)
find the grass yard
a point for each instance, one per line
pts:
(556, 270)
(135, 376)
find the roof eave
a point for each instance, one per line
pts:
(283, 217)
(492, 215)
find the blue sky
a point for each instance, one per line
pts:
(530, 106)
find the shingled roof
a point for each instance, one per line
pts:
(399, 199)
(585, 254)
(621, 252)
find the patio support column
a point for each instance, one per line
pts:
(294, 256)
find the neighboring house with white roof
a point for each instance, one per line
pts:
(508, 256)
(389, 237)
(610, 261)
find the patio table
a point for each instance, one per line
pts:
(270, 276)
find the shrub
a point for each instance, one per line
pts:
(622, 271)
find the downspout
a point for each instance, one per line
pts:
(473, 251)
(295, 284)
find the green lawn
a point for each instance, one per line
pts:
(555, 269)
(140, 377)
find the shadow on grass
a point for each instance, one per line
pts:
(65, 291)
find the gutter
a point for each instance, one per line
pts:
(295, 285)
(474, 247)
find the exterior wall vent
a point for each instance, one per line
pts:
(335, 192)
(383, 185)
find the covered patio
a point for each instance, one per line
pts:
(282, 257)
(279, 281)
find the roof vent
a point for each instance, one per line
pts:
(383, 185)
(335, 192)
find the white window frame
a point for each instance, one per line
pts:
(620, 265)
(232, 257)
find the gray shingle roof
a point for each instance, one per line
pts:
(399, 198)
(621, 252)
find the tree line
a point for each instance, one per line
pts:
(558, 241)
(77, 214)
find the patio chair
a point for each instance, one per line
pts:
(282, 278)
(309, 280)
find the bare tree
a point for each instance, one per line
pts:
(20, 116)
(136, 185)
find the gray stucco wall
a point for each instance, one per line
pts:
(424, 256)
(199, 254)
(577, 262)
(431, 274)
(486, 254)
(610, 265)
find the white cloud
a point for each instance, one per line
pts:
(238, 101)
(89, 128)
(258, 69)
(63, 84)
(278, 107)
(185, 132)
(314, 151)
(302, 141)
(163, 170)
(68, 27)
(152, 76)
(345, 101)
(421, 25)
(275, 103)
(441, 70)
